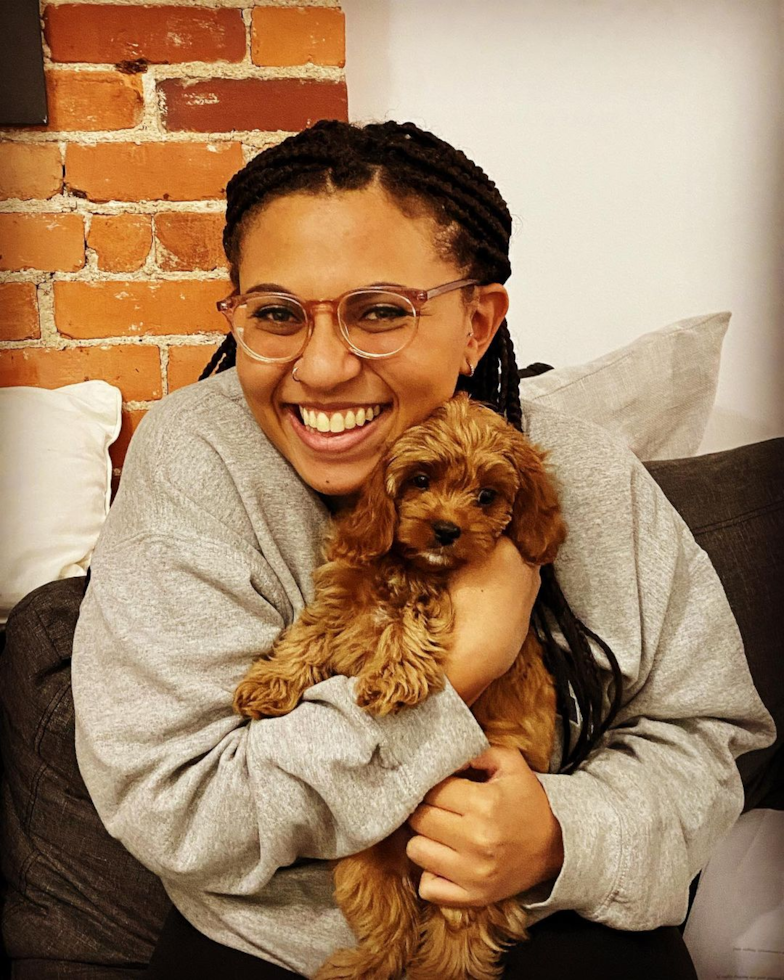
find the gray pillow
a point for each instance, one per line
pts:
(655, 394)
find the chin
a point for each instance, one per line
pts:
(335, 484)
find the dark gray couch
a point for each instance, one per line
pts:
(77, 906)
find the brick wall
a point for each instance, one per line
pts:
(111, 215)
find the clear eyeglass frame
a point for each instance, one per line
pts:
(417, 298)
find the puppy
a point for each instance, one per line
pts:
(441, 498)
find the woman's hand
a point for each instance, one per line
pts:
(492, 601)
(479, 843)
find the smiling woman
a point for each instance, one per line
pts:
(332, 244)
(368, 266)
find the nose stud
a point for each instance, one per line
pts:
(446, 532)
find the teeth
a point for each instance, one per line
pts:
(338, 421)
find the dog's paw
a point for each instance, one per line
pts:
(265, 698)
(382, 694)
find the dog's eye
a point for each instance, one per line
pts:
(486, 496)
(420, 481)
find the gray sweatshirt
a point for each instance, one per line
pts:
(208, 553)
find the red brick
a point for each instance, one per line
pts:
(30, 170)
(218, 105)
(94, 100)
(131, 417)
(134, 368)
(190, 240)
(151, 171)
(187, 362)
(50, 242)
(106, 34)
(130, 308)
(18, 311)
(298, 36)
(121, 241)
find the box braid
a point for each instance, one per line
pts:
(425, 175)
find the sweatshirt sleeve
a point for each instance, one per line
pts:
(640, 816)
(178, 604)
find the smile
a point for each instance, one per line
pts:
(338, 432)
(321, 421)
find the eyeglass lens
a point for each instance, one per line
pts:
(373, 321)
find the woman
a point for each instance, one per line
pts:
(208, 553)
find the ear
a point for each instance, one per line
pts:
(536, 527)
(367, 531)
(486, 312)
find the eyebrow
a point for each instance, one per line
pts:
(275, 287)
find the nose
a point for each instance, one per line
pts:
(326, 361)
(446, 532)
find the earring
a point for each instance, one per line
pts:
(294, 374)
(471, 370)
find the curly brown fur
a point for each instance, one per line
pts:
(382, 614)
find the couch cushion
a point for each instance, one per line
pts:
(733, 502)
(78, 905)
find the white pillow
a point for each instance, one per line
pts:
(55, 482)
(655, 394)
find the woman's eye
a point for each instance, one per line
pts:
(420, 481)
(275, 314)
(486, 496)
(383, 312)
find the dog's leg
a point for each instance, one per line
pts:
(407, 665)
(466, 943)
(275, 682)
(377, 892)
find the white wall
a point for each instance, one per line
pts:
(640, 146)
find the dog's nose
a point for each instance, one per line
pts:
(446, 532)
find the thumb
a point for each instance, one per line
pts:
(497, 759)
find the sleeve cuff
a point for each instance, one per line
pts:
(593, 843)
(431, 741)
(416, 747)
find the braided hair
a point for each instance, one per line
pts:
(425, 175)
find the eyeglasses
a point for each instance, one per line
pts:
(375, 322)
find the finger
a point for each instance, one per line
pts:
(437, 858)
(441, 891)
(439, 825)
(454, 793)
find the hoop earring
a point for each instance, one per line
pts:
(471, 370)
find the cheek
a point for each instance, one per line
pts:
(425, 374)
(259, 383)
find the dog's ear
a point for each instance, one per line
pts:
(536, 527)
(367, 531)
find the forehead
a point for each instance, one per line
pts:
(323, 244)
